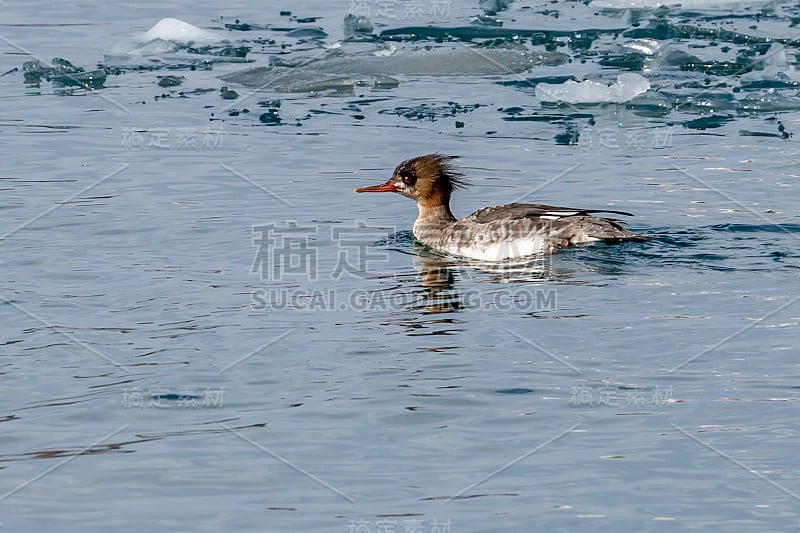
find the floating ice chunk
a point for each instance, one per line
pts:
(127, 49)
(306, 33)
(776, 66)
(157, 47)
(387, 51)
(446, 61)
(62, 72)
(685, 4)
(176, 30)
(379, 67)
(767, 102)
(356, 25)
(776, 70)
(298, 80)
(167, 36)
(627, 86)
(492, 7)
(648, 47)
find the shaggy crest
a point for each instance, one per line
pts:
(437, 168)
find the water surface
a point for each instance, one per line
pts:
(204, 329)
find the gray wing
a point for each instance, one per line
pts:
(563, 226)
(515, 211)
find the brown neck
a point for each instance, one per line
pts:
(434, 218)
(435, 213)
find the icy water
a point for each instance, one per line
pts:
(204, 329)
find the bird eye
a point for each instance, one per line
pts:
(409, 179)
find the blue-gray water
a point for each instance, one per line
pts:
(203, 329)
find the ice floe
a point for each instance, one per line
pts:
(648, 47)
(776, 66)
(684, 4)
(383, 64)
(627, 86)
(166, 36)
(179, 31)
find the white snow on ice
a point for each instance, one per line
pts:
(163, 38)
(179, 31)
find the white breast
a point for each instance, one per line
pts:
(501, 249)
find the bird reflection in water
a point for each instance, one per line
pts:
(438, 274)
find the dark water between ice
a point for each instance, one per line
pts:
(203, 329)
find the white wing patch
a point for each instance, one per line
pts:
(557, 214)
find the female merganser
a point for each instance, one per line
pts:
(492, 233)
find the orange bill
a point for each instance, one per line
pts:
(384, 187)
